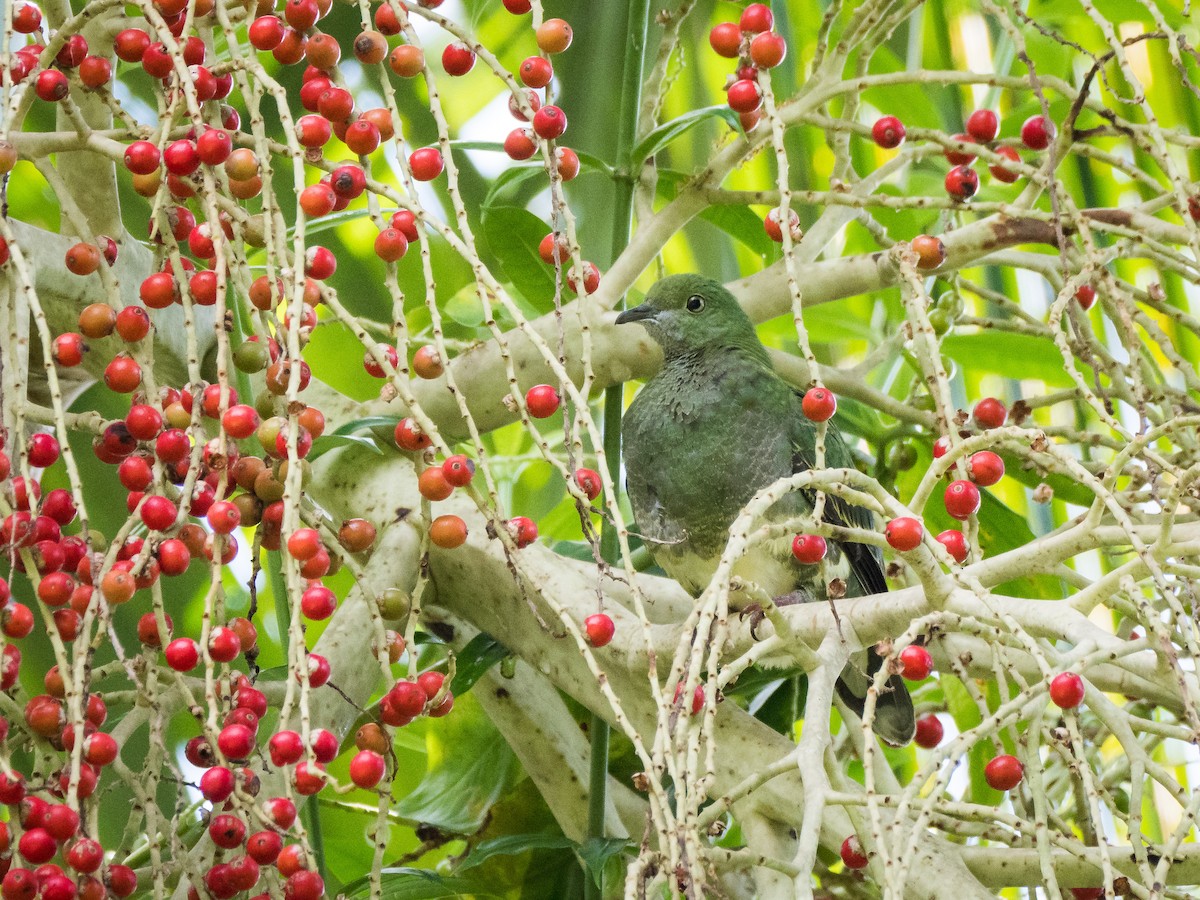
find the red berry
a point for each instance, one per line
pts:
(959, 157)
(726, 39)
(367, 769)
(523, 530)
(588, 481)
(852, 853)
(1066, 690)
(536, 72)
(904, 533)
(819, 404)
(755, 18)
(962, 499)
(888, 132)
(519, 144)
(982, 125)
(1086, 296)
(1002, 172)
(774, 227)
(986, 468)
(1004, 773)
(182, 654)
(52, 85)
(768, 49)
(458, 58)
(929, 732)
(542, 401)
(917, 663)
(549, 122)
(599, 628)
(989, 413)
(1037, 132)
(809, 548)
(426, 164)
(266, 32)
(744, 96)
(181, 158)
(955, 543)
(458, 470)
(962, 182)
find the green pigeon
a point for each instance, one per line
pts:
(711, 429)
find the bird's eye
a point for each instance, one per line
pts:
(695, 303)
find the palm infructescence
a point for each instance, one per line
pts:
(710, 430)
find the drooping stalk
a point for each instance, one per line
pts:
(636, 25)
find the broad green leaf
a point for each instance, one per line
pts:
(366, 422)
(327, 442)
(513, 844)
(416, 884)
(481, 653)
(595, 852)
(465, 308)
(742, 223)
(966, 715)
(669, 131)
(470, 768)
(1016, 356)
(513, 236)
(506, 185)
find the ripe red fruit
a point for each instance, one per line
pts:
(158, 513)
(68, 349)
(1086, 296)
(917, 663)
(962, 499)
(263, 847)
(1002, 172)
(458, 58)
(962, 182)
(852, 853)
(588, 481)
(95, 71)
(768, 49)
(266, 32)
(774, 228)
(37, 846)
(1004, 773)
(990, 413)
(542, 401)
(982, 125)
(524, 531)
(599, 628)
(955, 543)
(409, 436)
(536, 72)
(52, 85)
(549, 122)
(888, 132)
(755, 18)
(519, 144)
(554, 36)
(726, 39)
(744, 96)
(1066, 690)
(181, 158)
(809, 549)
(963, 157)
(1037, 132)
(390, 245)
(426, 164)
(986, 468)
(142, 157)
(904, 533)
(367, 769)
(929, 732)
(27, 18)
(182, 654)
(819, 404)
(931, 252)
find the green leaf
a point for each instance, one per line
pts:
(668, 131)
(404, 883)
(327, 442)
(477, 145)
(465, 307)
(506, 184)
(742, 224)
(513, 236)
(511, 845)
(595, 852)
(1017, 356)
(481, 653)
(366, 422)
(470, 768)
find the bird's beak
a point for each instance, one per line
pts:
(637, 314)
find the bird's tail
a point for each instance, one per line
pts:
(894, 718)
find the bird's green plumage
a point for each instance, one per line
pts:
(710, 430)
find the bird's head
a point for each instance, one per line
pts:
(690, 314)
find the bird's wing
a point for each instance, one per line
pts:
(865, 561)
